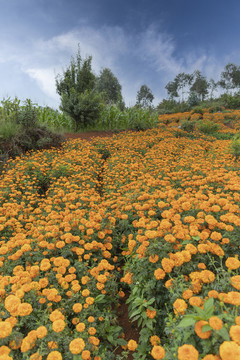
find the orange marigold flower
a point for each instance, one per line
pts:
(86, 354)
(187, 352)
(158, 352)
(187, 294)
(5, 329)
(24, 309)
(159, 274)
(36, 356)
(235, 333)
(196, 301)
(54, 355)
(76, 346)
(52, 345)
(167, 264)
(80, 327)
(41, 332)
(56, 315)
(151, 313)
(77, 307)
(216, 236)
(211, 357)
(198, 329)
(132, 345)
(179, 306)
(213, 293)
(235, 281)
(215, 322)
(232, 263)
(155, 340)
(237, 320)
(11, 304)
(4, 350)
(229, 350)
(91, 319)
(58, 325)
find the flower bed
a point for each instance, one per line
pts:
(147, 213)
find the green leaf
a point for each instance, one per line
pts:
(188, 320)
(223, 333)
(208, 305)
(136, 312)
(206, 327)
(200, 312)
(121, 342)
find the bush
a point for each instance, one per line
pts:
(235, 146)
(188, 126)
(208, 127)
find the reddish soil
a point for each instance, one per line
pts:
(131, 330)
(88, 135)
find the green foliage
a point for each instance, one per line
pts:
(230, 101)
(76, 89)
(230, 77)
(200, 85)
(21, 131)
(112, 118)
(188, 125)
(144, 97)
(235, 146)
(193, 99)
(84, 108)
(208, 127)
(108, 84)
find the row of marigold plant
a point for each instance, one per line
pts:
(145, 213)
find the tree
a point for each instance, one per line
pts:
(183, 81)
(212, 86)
(108, 84)
(144, 97)
(171, 88)
(200, 85)
(179, 84)
(76, 89)
(230, 77)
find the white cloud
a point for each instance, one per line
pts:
(133, 58)
(46, 80)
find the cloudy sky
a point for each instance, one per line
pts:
(141, 41)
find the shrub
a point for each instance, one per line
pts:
(188, 126)
(235, 146)
(208, 127)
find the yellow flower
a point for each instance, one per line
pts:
(158, 352)
(54, 355)
(132, 345)
(76, 346)
(215, 322)
(235, 333)
(58, 325)
(179, 306)
(229, 350)
(187, 352)
(5, 329)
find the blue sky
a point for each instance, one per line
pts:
(142, 42)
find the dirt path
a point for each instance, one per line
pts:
(130, 330)
(88, 135)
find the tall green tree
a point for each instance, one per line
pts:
(230, 77)
(75, 86)
(172, 88)
(108, 84)
(200, 85)
(144, 97)
(183, 81)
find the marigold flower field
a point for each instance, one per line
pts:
(144, 213)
